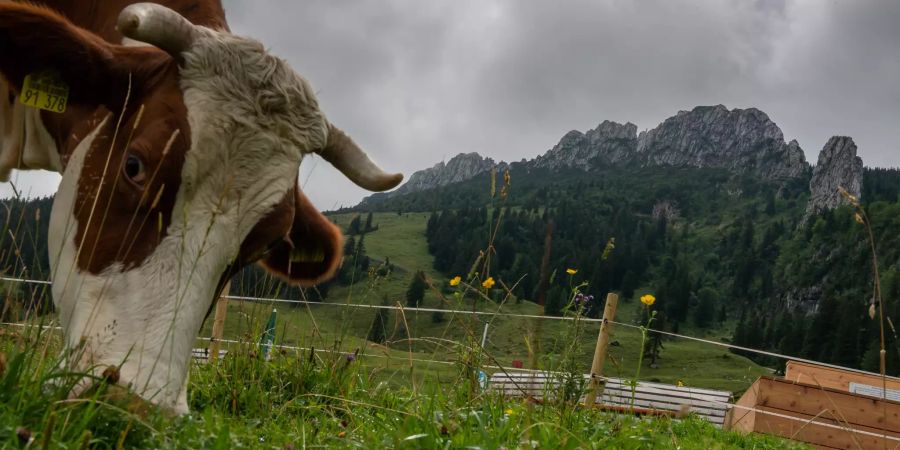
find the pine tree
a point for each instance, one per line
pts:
(369, 228)
(378, 331)
(706, 307)
(415, 293)
(354, 228)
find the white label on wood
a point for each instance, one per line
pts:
(874, 391)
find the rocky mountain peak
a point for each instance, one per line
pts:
(741, 140)
(609, 143)
(461, 167)
(838, 166)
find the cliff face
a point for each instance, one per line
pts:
(460, 168)
(838, 166)
(741, 140)
(607, 144)
(744, 141)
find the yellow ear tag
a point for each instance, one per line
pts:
(45, 90)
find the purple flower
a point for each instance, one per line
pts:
(583, 300)
(351, 357)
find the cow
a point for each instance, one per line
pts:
(179, 145)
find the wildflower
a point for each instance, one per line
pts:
(680, 383)
(859, 218)
(342, 434)
(455, 280)
(648, 299)
(489, 283)
(583, 300)
(350, 357)
(571, 271)
(510, 412)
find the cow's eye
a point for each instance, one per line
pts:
(134, 169)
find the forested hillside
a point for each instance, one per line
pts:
(712, 246)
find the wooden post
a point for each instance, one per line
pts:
(219, 324)
(597, 384)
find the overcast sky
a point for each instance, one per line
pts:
(416, 82)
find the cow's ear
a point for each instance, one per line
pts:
(312, 250)
(35, 39)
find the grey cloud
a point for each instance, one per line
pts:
(416, 82)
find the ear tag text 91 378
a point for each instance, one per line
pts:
(45, 90)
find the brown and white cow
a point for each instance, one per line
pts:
(179, 151)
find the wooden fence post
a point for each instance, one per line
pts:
(219, 324)
(597, 384)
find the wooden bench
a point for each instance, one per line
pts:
(709, 404)
(201, 355)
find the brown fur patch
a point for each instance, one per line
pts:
(314, 248)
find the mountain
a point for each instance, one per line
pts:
(740, 140)
(838, 167)
(609, 143)
(743, 141)
(712, 211)
(461, 167)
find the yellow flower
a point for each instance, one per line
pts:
(510, 412)
(648, 299)
(455, 281)
(489, 283)
(680, 383)
(571, 271)
(859, 218)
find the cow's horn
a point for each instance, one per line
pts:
(353, 162)
(159, 26)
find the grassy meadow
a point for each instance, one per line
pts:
(329, 387)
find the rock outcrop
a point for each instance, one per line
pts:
(741, 140)
(607, 144)
(461, 167)
(838, 166)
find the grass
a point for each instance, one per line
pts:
(387, 396)
(695, 364)
(311, 400)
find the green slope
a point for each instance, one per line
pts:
(401, 238)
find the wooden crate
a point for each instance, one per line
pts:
(859, 382)
(824, 417)
(709, 404)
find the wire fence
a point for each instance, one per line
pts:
(492, 314)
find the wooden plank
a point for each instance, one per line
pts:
(545, 376)
(812, 400)
(800, 372)
(816, 431)
(674, 399)
(677, 394)
(740, 419)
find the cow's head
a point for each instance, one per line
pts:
(179, 165)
